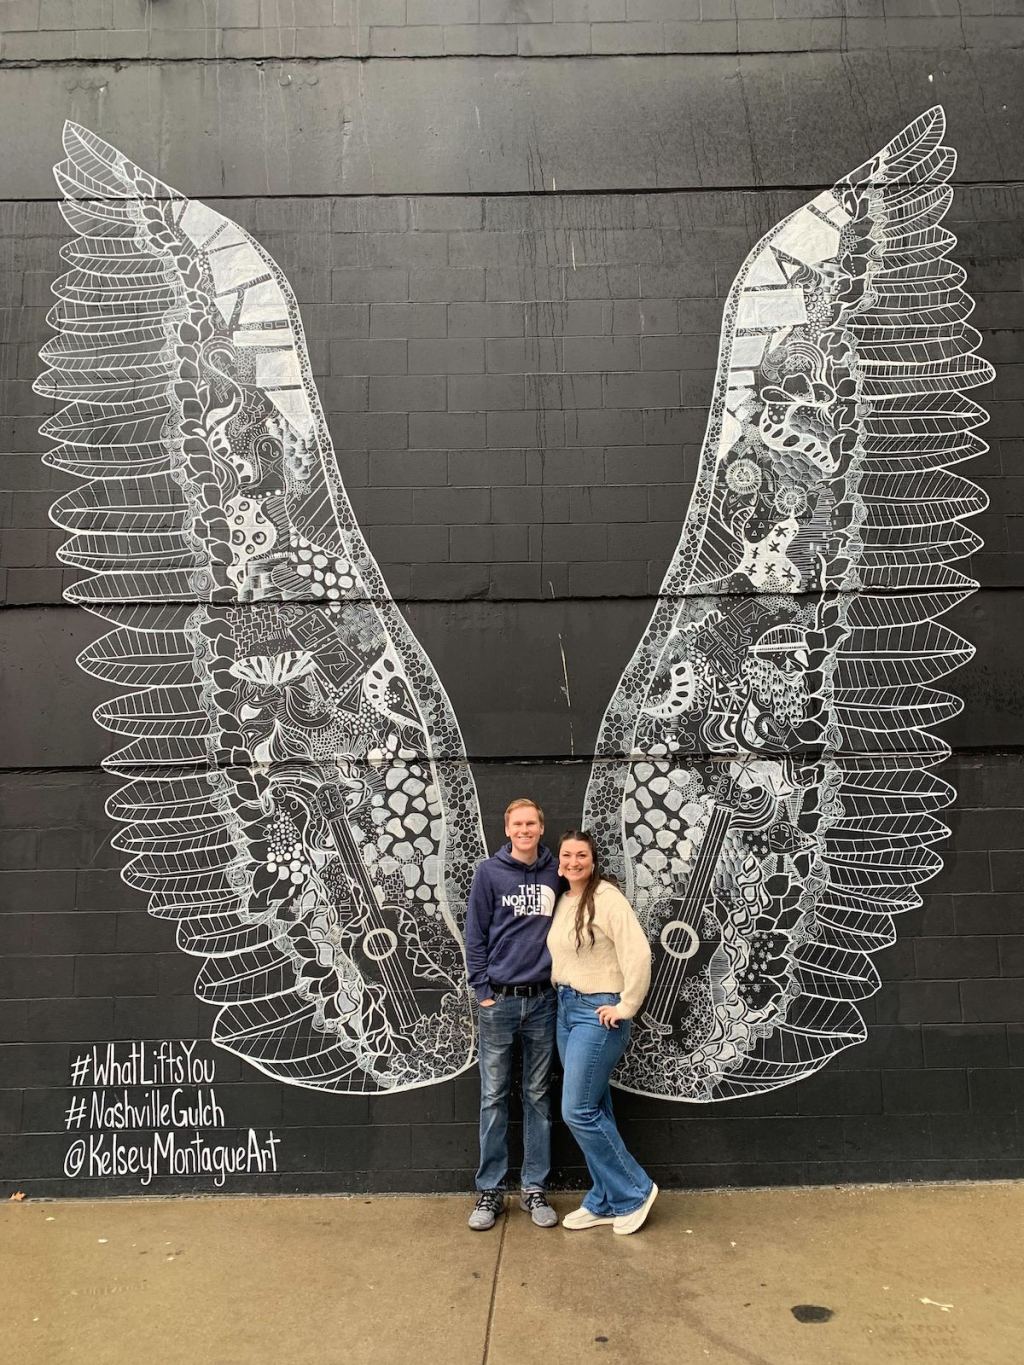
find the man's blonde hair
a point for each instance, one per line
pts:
(522, 801)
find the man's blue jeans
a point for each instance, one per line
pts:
(589, 1053)
(532, 1021)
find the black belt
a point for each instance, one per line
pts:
(521, 992)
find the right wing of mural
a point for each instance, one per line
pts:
(762, 780)
(299, 802)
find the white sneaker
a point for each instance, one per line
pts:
(583, 1218)
(633, 1222)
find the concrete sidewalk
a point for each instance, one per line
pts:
(885, 1274)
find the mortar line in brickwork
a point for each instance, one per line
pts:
(506, 760)
(372, 58)
(579, 192)
(402, 602)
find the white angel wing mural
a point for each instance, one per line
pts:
(762, 777)
(298, 800)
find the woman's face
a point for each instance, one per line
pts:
(575, 860)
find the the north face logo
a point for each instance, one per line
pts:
(530, 899)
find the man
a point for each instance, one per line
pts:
(509, 914)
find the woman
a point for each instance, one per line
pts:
(601, 968)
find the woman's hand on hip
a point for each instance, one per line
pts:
(609, 1015)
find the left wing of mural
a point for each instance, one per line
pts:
(299, 800)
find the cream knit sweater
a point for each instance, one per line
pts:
(620, 958)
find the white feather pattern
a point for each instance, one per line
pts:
(298, 798)
(769, 826)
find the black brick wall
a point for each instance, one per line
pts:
(516, 383)
(58, 30)
(934, 1093)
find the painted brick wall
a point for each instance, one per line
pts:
(514, 336)
(258, 29)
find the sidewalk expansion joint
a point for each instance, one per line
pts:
(494, 1289)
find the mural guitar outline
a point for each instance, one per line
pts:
(299, 799)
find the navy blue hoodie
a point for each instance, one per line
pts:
(507, 920)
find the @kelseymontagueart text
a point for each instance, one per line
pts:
(150, 1110)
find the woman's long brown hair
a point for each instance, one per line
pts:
(586, 908)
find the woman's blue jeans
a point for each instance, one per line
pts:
(589, 1053)
(532, 1021)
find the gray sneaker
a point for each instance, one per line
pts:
(489, 1204)
(534, 1202)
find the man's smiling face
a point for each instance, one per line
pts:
(524, 827)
